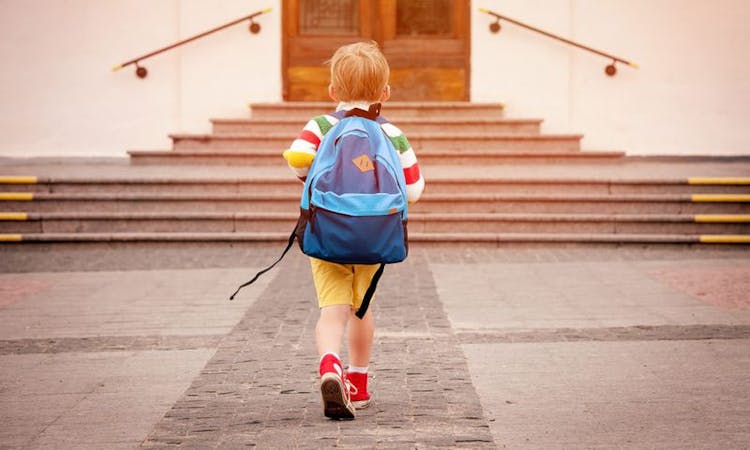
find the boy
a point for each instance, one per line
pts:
(359, 78)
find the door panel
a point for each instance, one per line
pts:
(428, 84)
(307, 83)
(426, 43)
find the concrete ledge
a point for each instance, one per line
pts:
(258, 222)
(426, 157)
(410, 125)
(413, 237)
(392, 110)
(455, 142)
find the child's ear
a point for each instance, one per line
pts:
(386, 93)
(332, 93)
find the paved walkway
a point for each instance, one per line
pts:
(524, 347)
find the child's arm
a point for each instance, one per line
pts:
(302, 151)
(412, 174)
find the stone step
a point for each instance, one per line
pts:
(471, 142)
(152, 185)
(426, 157)
(586, 203)
(692, 185)
(98, 222)
(285, 183)
(415, 239)
(292, 127)
(430, 203)
(394, 111)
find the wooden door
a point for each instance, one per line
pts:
(426, 43)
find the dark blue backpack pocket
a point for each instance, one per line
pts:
(354, 239)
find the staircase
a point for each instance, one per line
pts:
(440, 133)
(490, 180)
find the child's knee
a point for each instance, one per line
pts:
(336, 312)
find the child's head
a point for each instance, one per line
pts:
(359, 72)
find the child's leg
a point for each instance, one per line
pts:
(330, 328)
(333, 286)
(360, 348)
(361, 333)
(333, 387)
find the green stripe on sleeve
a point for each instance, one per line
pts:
(400, 143)
(323, 124)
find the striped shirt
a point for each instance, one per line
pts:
(313, 132)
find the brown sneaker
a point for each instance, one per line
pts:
(333, 388)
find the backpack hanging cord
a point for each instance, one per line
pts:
(289, 245)
(365, 300)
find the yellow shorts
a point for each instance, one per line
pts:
(341, 284)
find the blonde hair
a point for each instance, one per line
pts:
(359, 72)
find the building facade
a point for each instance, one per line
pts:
(689, 96)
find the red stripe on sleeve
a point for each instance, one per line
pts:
(310, 137)
(411, 174)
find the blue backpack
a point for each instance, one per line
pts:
(354, 205)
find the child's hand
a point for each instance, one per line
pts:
(298, 159)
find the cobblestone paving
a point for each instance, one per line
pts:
(21, 258)
(610, 334)
(107, 344)
(260, 388)
(532, 253)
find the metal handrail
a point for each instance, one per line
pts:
(610, 69)
(141, 71)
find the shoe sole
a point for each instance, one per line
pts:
(335, 403)
(361, 404)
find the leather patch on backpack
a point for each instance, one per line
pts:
(363, 163)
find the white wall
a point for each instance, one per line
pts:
(58, 96)
(690, 95)
(222, 73)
